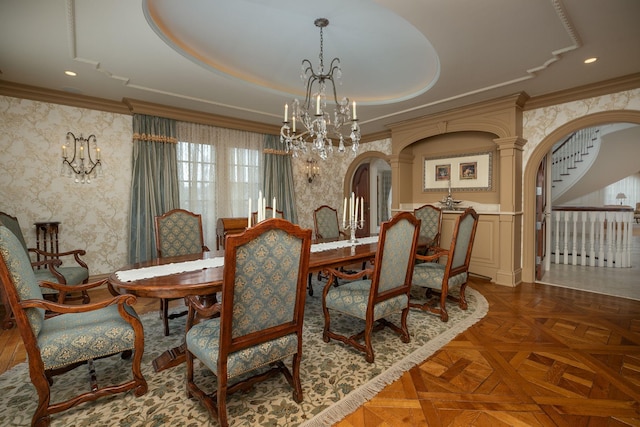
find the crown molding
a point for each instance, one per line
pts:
(142, 107)
(620, 84)
(17, 90)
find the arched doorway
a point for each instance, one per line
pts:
(531, 175)
(369, 176)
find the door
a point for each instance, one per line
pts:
(360, 186)
(541, 218)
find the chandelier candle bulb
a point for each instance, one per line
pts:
(286, 113)
(249, 217)
(355, 116)
(361, 208)
(355, 211)
(64, 151)
(274, 207)
(318, 105)
(294, 124)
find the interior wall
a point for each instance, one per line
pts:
(93, 217)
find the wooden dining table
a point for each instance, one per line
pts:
(206, 282)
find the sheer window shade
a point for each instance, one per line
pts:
(218, 170)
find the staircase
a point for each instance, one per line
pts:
(572, 158)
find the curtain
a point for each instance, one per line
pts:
(219, 170)
(278, 178)
(154, 184)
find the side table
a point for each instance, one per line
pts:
(49, 238)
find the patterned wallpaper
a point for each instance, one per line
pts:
(93, 217)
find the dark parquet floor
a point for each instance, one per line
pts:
(543, 356)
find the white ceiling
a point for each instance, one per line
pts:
(400, 58)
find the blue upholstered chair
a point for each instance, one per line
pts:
(386, 293)
(454, 273)
(77, 335)
(327, 226)
(261, 314)
(178, 232)
(69, 273)
(430, 225)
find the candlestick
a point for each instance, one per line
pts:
(344, 213)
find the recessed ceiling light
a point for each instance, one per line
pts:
(590, 60)
(70, 73)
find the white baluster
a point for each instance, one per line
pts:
(556, 217)
(601, 240)
(583, 237)
(611, 219)
(593, 218)
(565, 255)
(574, 240)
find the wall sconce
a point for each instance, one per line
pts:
(82, 165)
(621, 197)
(312, 169)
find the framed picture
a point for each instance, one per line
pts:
(443, 172)
(471, 172)
(468, 170)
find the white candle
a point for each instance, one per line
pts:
(264, 208)
(97, 153)
(286, 112)
(81, 152)
(294, 124)
(355, 211)
(351, 207)
(355, 116)
(361, 208)
(274, 207)
(344, 213)
(259, 210)
(318, 105)
(249, 217)
(64, 151)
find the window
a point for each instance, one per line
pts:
(218, 171)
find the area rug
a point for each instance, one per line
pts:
(335, 378)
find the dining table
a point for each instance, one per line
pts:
(201, 275)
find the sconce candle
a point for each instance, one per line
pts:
(81, 165)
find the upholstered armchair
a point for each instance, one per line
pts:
(430, 225)
(442, 277)
(178, 232)
(71, 270)
(386, 293)
(261, 314)
(78, 334)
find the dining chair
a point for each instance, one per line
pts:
(260, 315)
(326, 224)
(70, 273)
(442, 277)
(268, 214)
(387, 291)
(77, 335)
(178, 232)
(430, 225)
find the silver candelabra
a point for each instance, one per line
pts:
(354, 225)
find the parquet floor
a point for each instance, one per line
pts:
(543, 356)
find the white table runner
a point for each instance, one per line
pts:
(181, 267)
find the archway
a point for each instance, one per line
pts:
(531, 169)
(379, 182)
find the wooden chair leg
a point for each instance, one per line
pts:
(164, 315)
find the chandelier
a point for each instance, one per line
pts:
(81, 165)
(319, 126)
